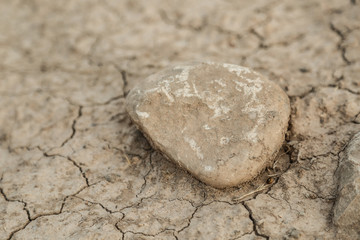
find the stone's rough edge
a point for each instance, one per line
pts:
(186, 66)
(347, 174)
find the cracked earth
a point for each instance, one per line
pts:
(73, 166)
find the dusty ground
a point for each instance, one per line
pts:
(72, 166)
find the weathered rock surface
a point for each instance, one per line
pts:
(347, 206)
(223, 123)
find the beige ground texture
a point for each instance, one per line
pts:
(73, 166)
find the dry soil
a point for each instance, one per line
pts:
(73, 166)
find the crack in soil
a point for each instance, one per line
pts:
(145, 176)
(339, 46)
(124, 79)
(80, 169)
(20, 201)
(191, 217)
(101, 205)
(146, 234)
(73, 126)
(257, 233)
(46, 214)
(317, 195)
(83, 174)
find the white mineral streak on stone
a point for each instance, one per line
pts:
(142, 114)
(163, 86)
(211, 100)
(236, 69)
(196, 91)
(183, 79)
(253, 87)
(184, 75)
(208, 168)
(166, 90)
(185, 91)
(194, 147)
(220, 82)
(224, 140)
(206, 127)
(252, 135)
(182, 131)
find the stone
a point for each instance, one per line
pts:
(221, 122)
(347, 206)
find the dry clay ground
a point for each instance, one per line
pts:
(73, 166)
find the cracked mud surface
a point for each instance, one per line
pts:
(73, 166)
